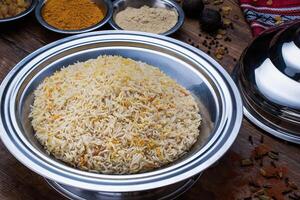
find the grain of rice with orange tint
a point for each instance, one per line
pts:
(114, 115)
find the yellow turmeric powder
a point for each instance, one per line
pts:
(71, 14)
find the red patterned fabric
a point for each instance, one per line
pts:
(263, 14)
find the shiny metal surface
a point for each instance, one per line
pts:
(105, 5)
(216, 93)
(166, 193)
(268, 76)
(119, 5)
(33, 4)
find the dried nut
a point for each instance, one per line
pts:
(280, 175)
(219, 57)
(226, 10)
(260, 151)
(220, 50)
(222, 31)
(264, 197)
(263, 172)
(246, 162)
(260, 192)
(227, 22)
(219, 36)
(217, 2)
(273, 156)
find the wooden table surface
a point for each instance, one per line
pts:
(225, 180)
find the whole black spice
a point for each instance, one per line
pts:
(246, 162)
(261, 139)
(210, 20)
(193, 8)
(273, 164)
(250, 139)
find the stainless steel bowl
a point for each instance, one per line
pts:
(32, 3)
(268, 76)
(105, 5)
(119, 5)
(218, 97)
(164, 193)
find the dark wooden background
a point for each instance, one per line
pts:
(225, 180)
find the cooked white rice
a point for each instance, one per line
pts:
(114, 115)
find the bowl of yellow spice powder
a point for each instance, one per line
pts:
(162, 17)
(73, 16)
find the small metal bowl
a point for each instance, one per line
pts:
(33, 4)
(106, 6)
(119, 5)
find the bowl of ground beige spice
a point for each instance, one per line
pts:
(153, 16)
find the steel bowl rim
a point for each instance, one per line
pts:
(40, 169)
(101, 23)
(22, 14)
(176, 6)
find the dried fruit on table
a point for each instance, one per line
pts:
(217, 2)
(220, 52)
(227, 22)
(226, 10)
(222, 31)
(260, 151)
(246, 162)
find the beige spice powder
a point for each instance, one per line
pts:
(147, 19)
